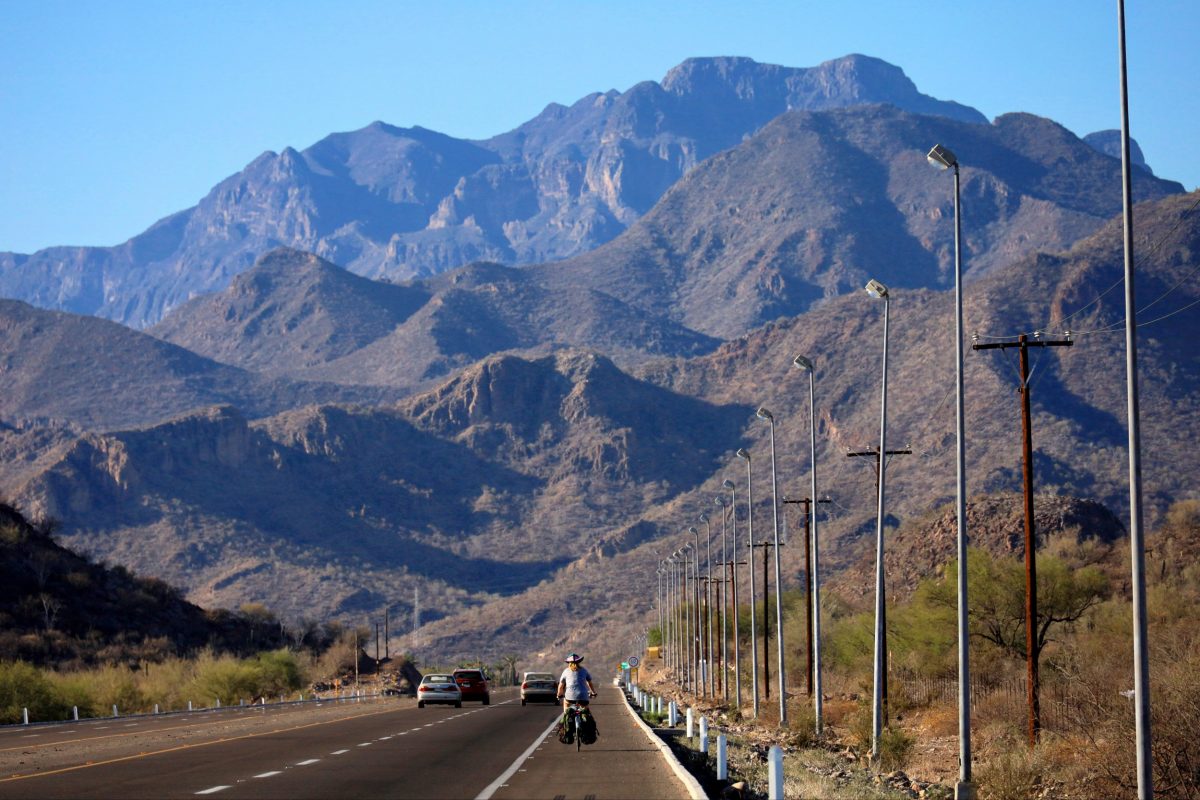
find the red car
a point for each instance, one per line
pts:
(474, 685)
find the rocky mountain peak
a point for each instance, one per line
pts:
(1109, 143)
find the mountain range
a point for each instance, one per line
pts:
(330, 430)
(401, 203)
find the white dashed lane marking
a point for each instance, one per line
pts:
(270, 774)
(213, 790)
(338, 752)
(306, 763)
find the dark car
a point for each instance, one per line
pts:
(474, 685)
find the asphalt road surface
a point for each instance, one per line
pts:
(380, 749)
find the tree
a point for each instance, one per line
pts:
(996, 607)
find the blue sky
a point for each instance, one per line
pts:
(114, 114)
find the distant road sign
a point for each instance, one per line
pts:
(633, 661)
(624, 665)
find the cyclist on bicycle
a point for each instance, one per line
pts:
(575, 684)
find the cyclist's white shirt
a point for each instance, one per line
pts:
(576, 683)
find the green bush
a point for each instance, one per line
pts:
(24, 686)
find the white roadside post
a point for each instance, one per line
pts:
(673, 713)
(691, 722)
(704, 735)
(25, 714)
(722, 762)
(775, 773)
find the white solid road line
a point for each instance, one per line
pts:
(214, 790)
(512, 770)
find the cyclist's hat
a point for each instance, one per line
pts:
(574, 658)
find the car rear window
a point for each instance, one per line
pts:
(475, 676)
(438, 679)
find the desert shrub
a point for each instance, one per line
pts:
(895, 747)
(24, 686)
(1013, 774)
(223, 678)
(116, 686)
(277, 671)
(76, 689)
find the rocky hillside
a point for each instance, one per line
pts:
(99, 375)
(483, 487)
(296, 315)
(817, 202)
(57, 607)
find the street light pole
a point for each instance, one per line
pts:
(733, 565)
(689, 604)
(814, 580)
(765, 414)
(1141, 655)
(708, 589)
(878, 290)
(743, 454)
(964, 789)
(724, 600)
(697, 649)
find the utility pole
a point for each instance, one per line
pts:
(766, 619)
(416, 616)
(1031, 659)
(386, 654)
(883, 677)
(808, 587)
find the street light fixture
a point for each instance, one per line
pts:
(769, 417)
(941, 157)
(743, 454)
(879, 291)
(737, 654)
(805, 365)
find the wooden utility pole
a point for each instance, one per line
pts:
(808, 586)
(1031, 657)
(731, 578)
(766, 620)
(883, 677)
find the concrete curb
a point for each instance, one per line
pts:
(695, 790)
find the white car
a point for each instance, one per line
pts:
(539, 686)
(439, 688)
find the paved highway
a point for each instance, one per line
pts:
(387, 748)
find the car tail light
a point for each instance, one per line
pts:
(422, 688)
(524, 685)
